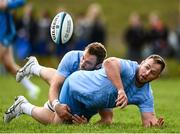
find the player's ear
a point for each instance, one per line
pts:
(99, 66)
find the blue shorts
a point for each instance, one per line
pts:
(6, 42)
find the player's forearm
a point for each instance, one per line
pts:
(55, 87)
(53, 94)
(54, 91)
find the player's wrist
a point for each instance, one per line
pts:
(120, 90)
(54, 103)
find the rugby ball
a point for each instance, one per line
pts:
(61, 29)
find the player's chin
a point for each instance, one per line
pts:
(142, 81)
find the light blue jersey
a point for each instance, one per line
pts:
(88, 91)
(69, 63)
(7, 27)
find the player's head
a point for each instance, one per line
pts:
(150, 68)
(93, 56)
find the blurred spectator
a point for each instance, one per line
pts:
(135, 37)
(90, 27)
(98, 30)
(82, 32)
(22, 47)
(45, 45)
(178, 41)
(157, 37)
(27, 31)
(173, 42)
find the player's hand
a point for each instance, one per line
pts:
(159, 122)
(63, 111)
(122, 99)
(79, 120)
(155, 122)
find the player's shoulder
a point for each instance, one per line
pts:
(73, 55)
(74, 52)
(127, 62)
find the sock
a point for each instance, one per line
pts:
(27, 108)
(36, 69)
(28, 85)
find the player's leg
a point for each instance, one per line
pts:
(9, 62)
(12, 67)
(46, 114)
(22, 106)
(47, 73)
(2, 50)
(32, 67)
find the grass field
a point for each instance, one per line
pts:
(166, 92)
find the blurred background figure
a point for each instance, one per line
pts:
(174, 40)
(90, 27)
(45, 46)
(174, 43)
(135, 37)
(97, 24)
(82, 32)
(7, 36)
(178, 40)
(157, 36)
(26, 26)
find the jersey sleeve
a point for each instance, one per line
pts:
(127, 68)
(65, 66)
(11, 4)
(147, 105)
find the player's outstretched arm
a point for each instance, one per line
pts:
(62, 110)
(149, 119)
(55, 86)
(112, 68)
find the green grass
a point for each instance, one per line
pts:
(166, 92)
